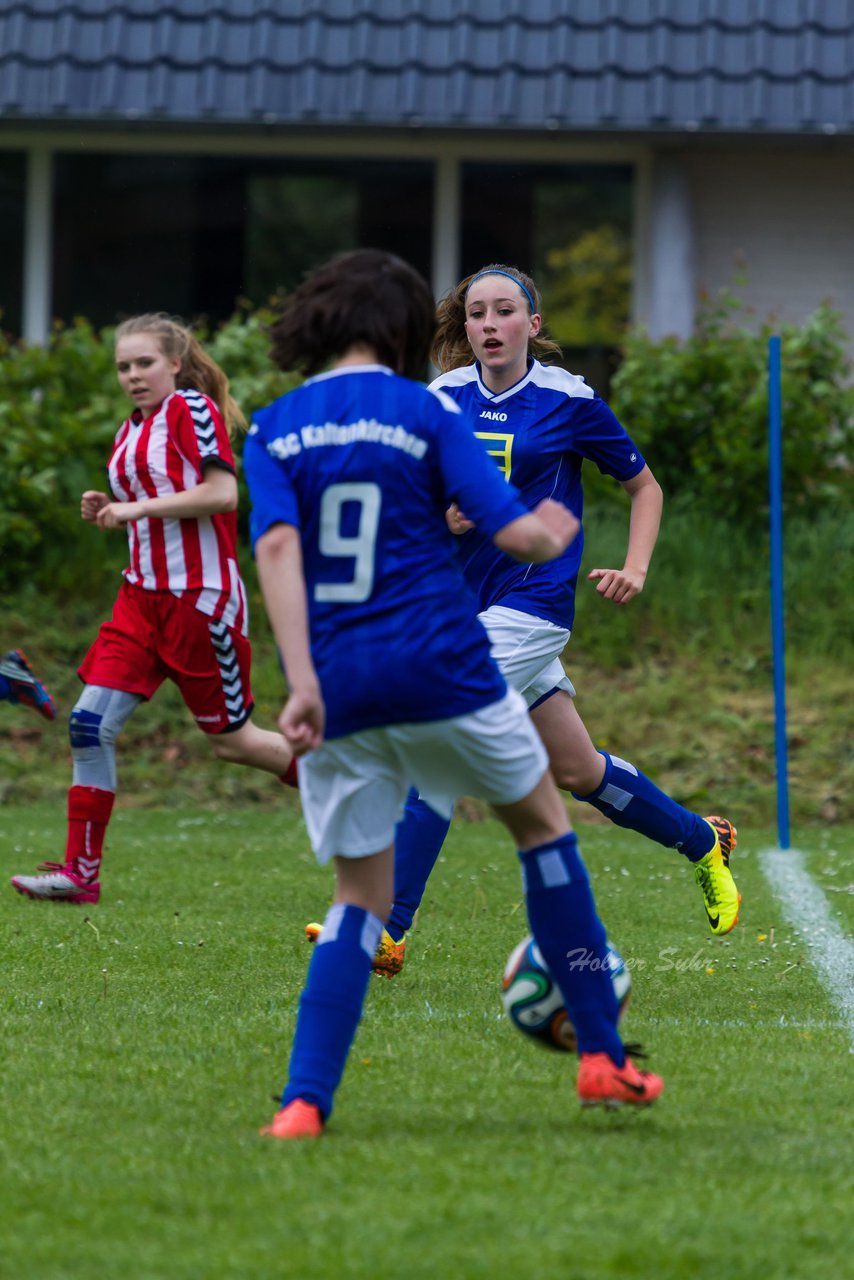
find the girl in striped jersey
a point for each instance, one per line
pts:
(181, 609)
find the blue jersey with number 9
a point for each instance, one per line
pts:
(365, 463)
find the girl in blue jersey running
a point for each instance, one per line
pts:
(389, 671)
(539, 423)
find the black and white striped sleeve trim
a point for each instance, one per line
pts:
(203, 424)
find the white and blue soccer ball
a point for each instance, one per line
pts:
(533, 1001)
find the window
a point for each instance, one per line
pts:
(569, 227)
(13, 181)
(196, 235)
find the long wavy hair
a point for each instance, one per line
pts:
(451, 348)
(198, 372)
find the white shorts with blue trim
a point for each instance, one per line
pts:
(353, 789)
(527, 650)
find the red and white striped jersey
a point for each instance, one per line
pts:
(164, 454)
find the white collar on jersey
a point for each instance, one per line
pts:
(549, 377)
(497, 396)
(348, 368)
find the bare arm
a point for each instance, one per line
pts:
(217, 492)
(278, 555)
(543, 534)
(622, 585)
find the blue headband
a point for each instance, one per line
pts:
(496, 272)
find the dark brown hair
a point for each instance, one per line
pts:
(367, 296)
(198, 372)
(451, 348)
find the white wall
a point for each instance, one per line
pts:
(786, 219)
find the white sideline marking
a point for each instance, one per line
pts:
(752, 1024)
(831, 950)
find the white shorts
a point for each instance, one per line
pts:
(527, 650)
(353, 789)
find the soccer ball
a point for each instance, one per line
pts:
(534, 1004)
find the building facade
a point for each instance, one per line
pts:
(631, 154)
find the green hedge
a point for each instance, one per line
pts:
(698, 409)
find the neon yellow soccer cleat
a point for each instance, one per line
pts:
(720, 896)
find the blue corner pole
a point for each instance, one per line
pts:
(778, 633)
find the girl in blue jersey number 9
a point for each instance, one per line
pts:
(389, 670)
(539, 423)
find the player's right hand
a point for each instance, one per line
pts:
(91, 503)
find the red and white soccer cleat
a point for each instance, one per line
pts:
(58, 882)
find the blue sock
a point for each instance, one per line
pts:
(331, 1004)
(630, 800)
(572, 939)
(418, 842)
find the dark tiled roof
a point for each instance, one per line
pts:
(758, 65)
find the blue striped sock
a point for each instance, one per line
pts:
(572, 939)
(631, 800)
(418, 842)
(331, 1004)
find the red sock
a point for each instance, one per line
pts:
(89, 811)
(289, 777)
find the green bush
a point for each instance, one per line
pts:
(59, 408)
(699, 411)
(709, 589)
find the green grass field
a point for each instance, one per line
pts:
(143, 1039)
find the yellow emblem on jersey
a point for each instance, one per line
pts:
(501, 450)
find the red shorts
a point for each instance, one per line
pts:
(154, 636)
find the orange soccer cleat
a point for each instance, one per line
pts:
(299, 1119)
(601, 1083)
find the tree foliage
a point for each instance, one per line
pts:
(587, 288)
(699, 411)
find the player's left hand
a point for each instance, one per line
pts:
(303, 720)
(617, 585)
(457, 521)
(115, 515)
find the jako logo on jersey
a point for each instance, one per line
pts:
(493, 415)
